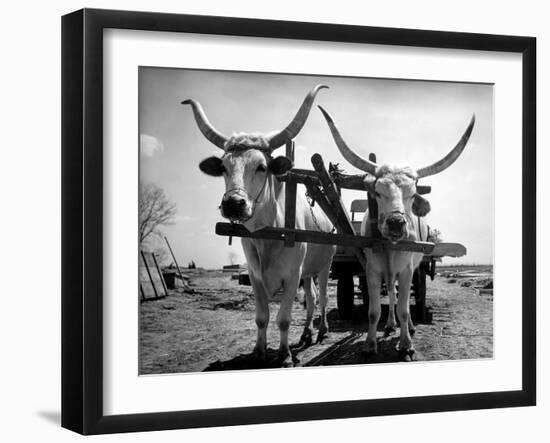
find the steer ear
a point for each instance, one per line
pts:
(420, 206)
(212, 166)
(279, 165)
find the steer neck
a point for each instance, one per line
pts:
(268, 206)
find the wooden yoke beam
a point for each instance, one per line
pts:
(343, 223)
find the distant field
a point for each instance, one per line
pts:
(462, 268)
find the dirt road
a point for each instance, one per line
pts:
(214, 329)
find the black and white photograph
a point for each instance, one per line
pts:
(263, 221)
(292, 221)
(259, 222)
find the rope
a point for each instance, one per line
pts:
(254, 201)
(311, 202)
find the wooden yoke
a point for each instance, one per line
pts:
(324, 189)
(343, 181)
(290, 151)
(343, 223)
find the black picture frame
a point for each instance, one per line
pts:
(82, 220)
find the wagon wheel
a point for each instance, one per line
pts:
(419, 288)
(432, 267)
(345, 295)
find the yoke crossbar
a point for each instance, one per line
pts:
(325, 238)
(343, 181)
(323, 188)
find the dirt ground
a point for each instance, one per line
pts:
(214, 328)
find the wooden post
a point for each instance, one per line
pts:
(175, 261)
(290, 199)
(318, 197)
(420, 294)
(290, 211)
(149, 274)
(160, 274)
(290, 150)
(344, 223)
(142, 293)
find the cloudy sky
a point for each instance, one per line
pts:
(406, 123)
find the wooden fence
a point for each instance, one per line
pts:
(151, 281)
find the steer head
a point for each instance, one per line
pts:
(245, 167)
(395, 192)
(395, 188)
(247, 161)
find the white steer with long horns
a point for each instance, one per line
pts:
(256, 198)
(401, 214)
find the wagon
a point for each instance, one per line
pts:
(324, 188)
(346, 269)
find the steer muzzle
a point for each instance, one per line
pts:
(236, 207)
(394, 227)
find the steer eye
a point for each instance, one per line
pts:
(261, 168)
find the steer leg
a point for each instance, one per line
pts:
(284, 317)
(309, 286)
(406, 348)
(412, 328)
(322, 279)
(262, 319)
(391, 324)
(374, 280)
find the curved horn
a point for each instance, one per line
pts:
(298, 122)
(451, 157)
(204, 125)
(349, 155)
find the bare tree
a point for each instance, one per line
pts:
(155, 210)
(435, 236)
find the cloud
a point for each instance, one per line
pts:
(149, 145)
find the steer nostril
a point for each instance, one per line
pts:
(396, 223)
(233, 207)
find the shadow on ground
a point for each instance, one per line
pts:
(246, 361)
(346, 351)
(358, 323)
(353, 353)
